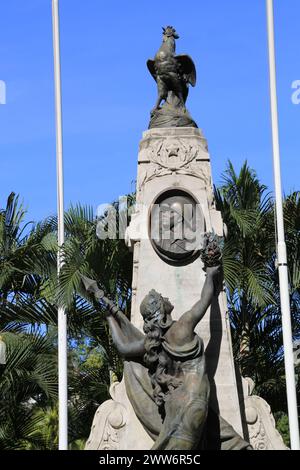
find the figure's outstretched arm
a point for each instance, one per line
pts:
(126, 348)
(127, 338)
(128, 329)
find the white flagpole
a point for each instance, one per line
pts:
(62, 318)
(281, 247)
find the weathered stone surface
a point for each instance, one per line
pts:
(177, 159)
(115, 426)
(261, 424)
(170, 159)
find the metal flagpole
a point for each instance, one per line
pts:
(62, 318)
(281, 247)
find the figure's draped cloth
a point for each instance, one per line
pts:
(183, 409)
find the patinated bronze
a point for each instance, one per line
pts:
(176, 226)
(173, 75)
(165, 373)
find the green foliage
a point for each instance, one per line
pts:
(45, 434)
(282, 425)
(28, 381)
(247, 211)
(30, 294)
(251, 276)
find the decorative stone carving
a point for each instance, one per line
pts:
(115, 426)
(174, 151)
(177, 226)
(263, 434)
(173, 156)
(109, 419)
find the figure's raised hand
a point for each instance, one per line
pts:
(112, 309)
(213, 271)
(91, 286)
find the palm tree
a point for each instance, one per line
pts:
(29, 379)
(292, 228)
(27, 382)
(29, 295)
(247, 212)
(19, 243)
(106, 260)
(251, 277)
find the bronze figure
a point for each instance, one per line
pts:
(173, 75)
(176, 227)
(165, 373)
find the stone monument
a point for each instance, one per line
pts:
(175, 234)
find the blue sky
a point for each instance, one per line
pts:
(108, 91)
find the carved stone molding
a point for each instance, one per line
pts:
(108, 421)
(115, 426)
(263, 434)
(114, 422)
(173, 156)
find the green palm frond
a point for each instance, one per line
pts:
(31, 366)
(18, 428)
(28, 311)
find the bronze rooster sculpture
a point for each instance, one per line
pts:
(173, 74)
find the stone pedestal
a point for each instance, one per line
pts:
(177, 159)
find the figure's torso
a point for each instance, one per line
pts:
(186, 363)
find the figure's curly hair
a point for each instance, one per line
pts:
(155, 310)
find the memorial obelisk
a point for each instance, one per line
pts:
(174, 209)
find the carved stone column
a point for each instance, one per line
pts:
(173, 168)
(176, 161)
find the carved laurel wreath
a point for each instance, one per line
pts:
(173, 156)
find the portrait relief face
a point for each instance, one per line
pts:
(176, 226)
